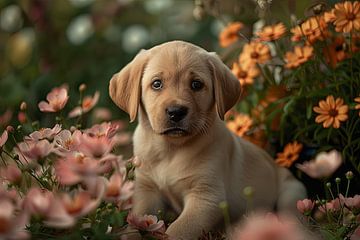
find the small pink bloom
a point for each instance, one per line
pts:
(305, 206)
(107, 129)
(102, 114)
(66, 141)
(79, 204)
(43, 203)
(96, 146)
(30, 151)
(6, 117)
(22, 117)
(37, 201)
(3, 138)
(75, 167)
(87, 104)
(323, 166)
(351, 202)
(147, 223)
(332, 206)
(48, 133)
(56, 100)
(11, 173)
(12, 225)
(269, 226)
(117, 189)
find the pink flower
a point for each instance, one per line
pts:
(102, 114)
(323, 166)
(87, 104)
(269, 226)
(29, 151)
(11, 173)
(351, 202)
(332, 206)
(80, 204)
(96, 146)
(107, 129)
(43, 133)
(12, 226)
(75, 167)
(3, 138)
(147, 223)
(305, 206)
(56, 100)
(43, 203)
(22, 117)
(66, 141)
(117, 189)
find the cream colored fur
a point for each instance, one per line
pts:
(194, 171)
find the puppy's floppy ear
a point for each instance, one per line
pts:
(226, 86)
(125, 86)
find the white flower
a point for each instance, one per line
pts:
(324, 164)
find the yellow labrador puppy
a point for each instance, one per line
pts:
(190, 161)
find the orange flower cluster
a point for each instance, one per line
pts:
(230, 34)
(244, 73)
(298, 57)
(254, 53)
(240, 124)
(313, 29)
(289, 155)
(272, 33)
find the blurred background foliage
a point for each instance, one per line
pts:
(46, 43)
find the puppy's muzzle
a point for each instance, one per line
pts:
(176, 113)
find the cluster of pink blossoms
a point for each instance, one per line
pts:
(60, 175)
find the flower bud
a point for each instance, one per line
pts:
(328, 185)
(337, 180)
(22, 117)
(248, 191)
(82, 87)
(23, 106)
(349, 175)
(10, 129)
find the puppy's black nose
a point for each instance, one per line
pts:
(176, 113)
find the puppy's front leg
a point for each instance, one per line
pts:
(147, 199)
(200, 213)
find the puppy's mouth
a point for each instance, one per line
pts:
(175, 132)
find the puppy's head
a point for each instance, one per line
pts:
(180, 87)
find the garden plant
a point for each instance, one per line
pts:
(72, 176)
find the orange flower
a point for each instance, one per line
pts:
(240, 125)
(331, 112)
(254, 52)
(289, 155)
(271, 33)
(298, 57)
(335, 52)
(330, 16)
(357, 106)
(315, 28)
(244, 73)
(347, 16)
(230, 34)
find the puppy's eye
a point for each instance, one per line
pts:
(196, 85)
(157, 84)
